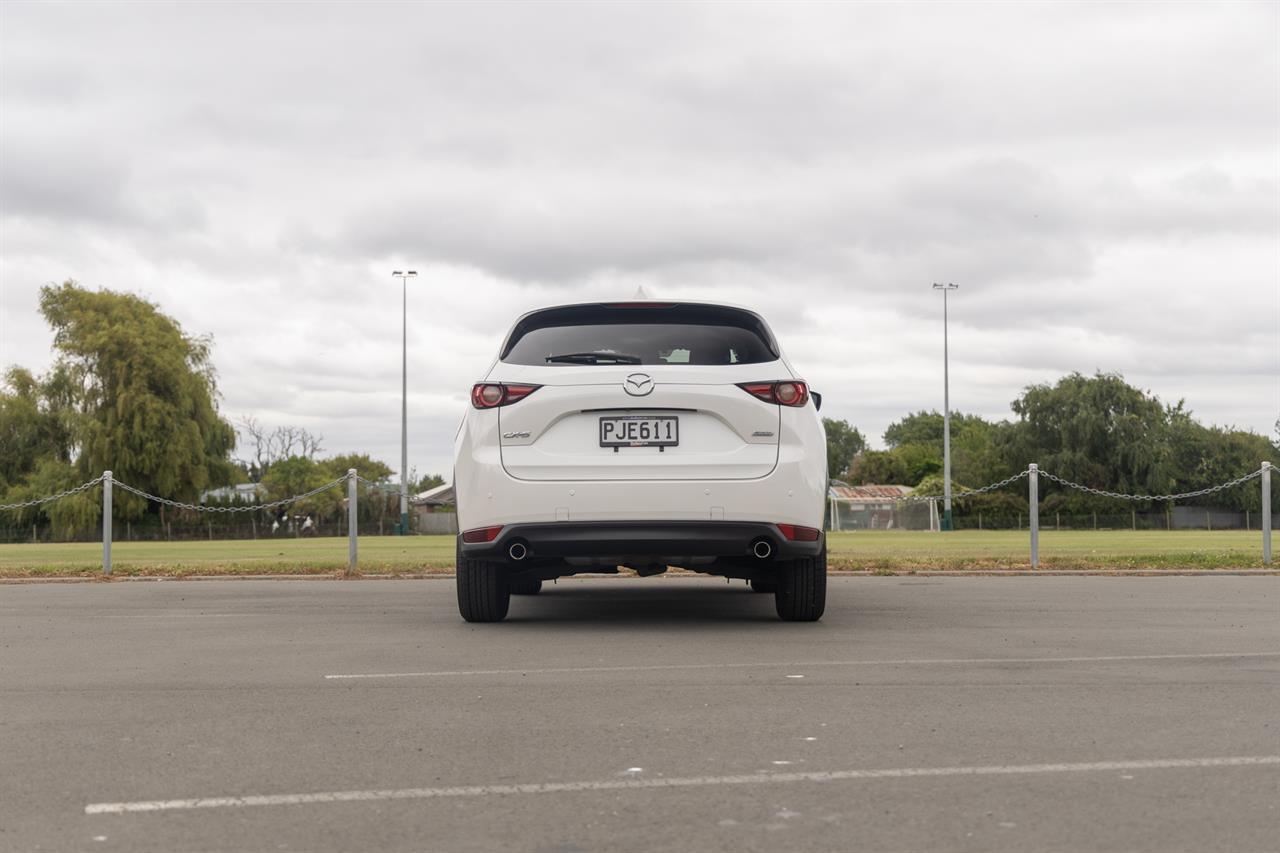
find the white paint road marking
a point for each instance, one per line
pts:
(795, 665)
(691, 782)
(161, 615)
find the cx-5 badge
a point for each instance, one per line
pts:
(524, 434)
(638, 384)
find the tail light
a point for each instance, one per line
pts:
(796, 533)
(481, 534)
(789, 393)
(490, 395)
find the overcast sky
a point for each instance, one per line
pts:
(1101, 180)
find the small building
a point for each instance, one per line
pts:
(241, 493)
(433, 510)
(435, 497)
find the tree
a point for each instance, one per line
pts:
(298, 475)
(844, 442)
(928, 427)
(31, 429)
(144, 391)
(998, 503)
(428, 481)
(916, 450)
(366, 466)
(878, 468)
(129, 391)
(271, 445)
(1098, 431)
(975, 446)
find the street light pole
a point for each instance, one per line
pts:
(946, 411)
(404, 276)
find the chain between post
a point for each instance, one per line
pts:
(59, 496)
(909, 499)
(1124, 497)
(390, 490)
(397, 492)
(249, 508)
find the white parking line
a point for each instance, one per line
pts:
(690, 782)
(160, 615)
(803, 664)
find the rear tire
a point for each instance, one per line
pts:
(802, 589)
(763, 585)
(484, 590)
(526, 586)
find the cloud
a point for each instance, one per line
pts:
(1100, 180)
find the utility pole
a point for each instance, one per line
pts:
(403, 527)
(946, 411)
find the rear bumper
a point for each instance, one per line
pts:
(641, 540)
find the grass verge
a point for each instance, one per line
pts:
(872, 551)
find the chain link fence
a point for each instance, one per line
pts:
(923, 512)
(1149, 498)
(905, 514)
(215, 520)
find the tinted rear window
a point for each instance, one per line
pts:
(675, 334)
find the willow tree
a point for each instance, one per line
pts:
(143, 393)
(1098, 431)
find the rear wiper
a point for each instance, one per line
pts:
(593, 358)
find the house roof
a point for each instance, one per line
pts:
(438, 495)
(869, 493)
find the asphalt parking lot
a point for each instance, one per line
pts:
(1050, 713)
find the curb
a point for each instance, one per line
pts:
(929, 573)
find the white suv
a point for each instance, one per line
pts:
(646, 435)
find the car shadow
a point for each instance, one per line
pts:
(631, 602)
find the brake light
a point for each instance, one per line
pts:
(796, 533)
(782, 393)
(490, 395)
(791, 393)
(639, 304)
(481, 534)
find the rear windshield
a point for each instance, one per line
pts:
(663, 334)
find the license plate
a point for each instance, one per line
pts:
(639, 431)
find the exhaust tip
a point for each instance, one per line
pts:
(517, 551)
(762, 548)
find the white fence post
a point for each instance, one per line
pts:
(1033, 488)
(1266, 513)
(106, 523)
(351, 521)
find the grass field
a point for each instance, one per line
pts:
(887, 551)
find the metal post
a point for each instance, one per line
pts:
(946, 420)
(351, 521)
(1033, 488)
(1266, 513)
(106, 523)
(946, 411)
(404, 277)
(404, 408)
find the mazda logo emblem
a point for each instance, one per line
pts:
(638, 384)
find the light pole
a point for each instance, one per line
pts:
(404, 399)
(946, 411)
